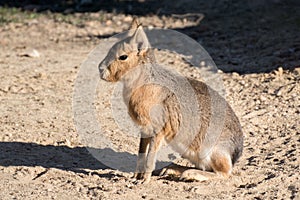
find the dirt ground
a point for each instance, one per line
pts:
(256, 44)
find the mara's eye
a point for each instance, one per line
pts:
(123, 57)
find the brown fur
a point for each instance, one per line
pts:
(221, 164)
(119, 67)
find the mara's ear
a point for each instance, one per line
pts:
(140, 40)
(134, 24)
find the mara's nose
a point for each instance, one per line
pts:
(102, 71)
(100, 68)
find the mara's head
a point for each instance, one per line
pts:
(125, 56)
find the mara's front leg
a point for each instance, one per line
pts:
(141, 159)
(150, 159)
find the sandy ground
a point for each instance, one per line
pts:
(41, 154)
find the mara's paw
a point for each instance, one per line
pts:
(142, 178)
(173, 170)
(196, 175)
(138, 175)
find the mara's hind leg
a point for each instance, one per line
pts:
(171, 170)
(186, 173)
(197, 175)
(220, 163)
